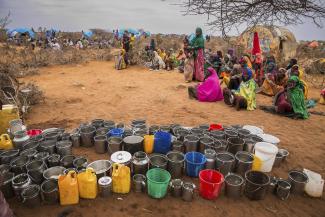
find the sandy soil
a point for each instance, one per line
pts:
(76, 94)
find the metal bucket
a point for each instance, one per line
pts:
(140, 163)
(205, 142)
(250, 143)
(217, 134)
(101, 167)
(181, 134)
(197, 131)
(87, 134)
(18, 165)
(100, 144)
(158, 161)
(284, 153)
(97, 123)
(105, 186)
(210, 155)
(80, 163)
(175, 163)
(52, 135)
(244, 162)
(31, 144)
(67, 161)
(139, 183)
(114, 144)
(41, 156)
(5, 185)
(4, 168)
(53, 160)
(30, 153)
(298, 180)
(9, 155)
(133, 144)
(230, 133)
(235, 145)
(47, 146)
(75, 139)
(15, 125)
(283, 190)
(188, 191)
(278, 160)
(153, 129)
(19, 183)
(225, 162)
(219, 145)
(109, 124)
(244, 134)
(178, 146)
(257, 184)
(53, 172)
(64, 148)
(31, 196)
(165, 128)
(50, 191)
(191, 143)
(175, 187)
(234, 185)
(102, 131)
(35, 170)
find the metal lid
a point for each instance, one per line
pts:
(269, 138)
(105, 180)
(121, 157)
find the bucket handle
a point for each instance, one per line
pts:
(283, 198)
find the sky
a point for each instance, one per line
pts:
(156, 16)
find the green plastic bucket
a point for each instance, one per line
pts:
(157, 182)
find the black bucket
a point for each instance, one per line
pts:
(257, 184)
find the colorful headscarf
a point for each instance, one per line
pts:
(247, 72)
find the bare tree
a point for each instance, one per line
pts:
(4, 21)
(227, 15)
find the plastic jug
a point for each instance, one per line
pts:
(121, 179)
(5, 142)
(148, 143)
(68, 188)
(315, 185)
(87, 182)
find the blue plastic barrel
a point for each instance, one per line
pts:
(195, 162)
(118, 132)
(162, 142)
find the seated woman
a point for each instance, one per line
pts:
(157, 62)
(245, 97)
(233, 79)
(207, 91)
(274, 83)
(170, 60)
(296, 70)
(296, 96)
(322, 97)
(121, 60)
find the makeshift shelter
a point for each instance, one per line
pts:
(277, 41)
(87, 34)
(21, 31)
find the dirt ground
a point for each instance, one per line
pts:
(76, 94)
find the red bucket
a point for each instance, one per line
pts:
(215, 127)
(34, 132)
(210, 183)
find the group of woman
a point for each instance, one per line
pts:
(243, 79)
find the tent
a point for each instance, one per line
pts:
(28, 31)
(88, 34)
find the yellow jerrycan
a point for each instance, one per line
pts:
(121, 177)
(148, 143)
(68, 188)
(5, 142)
(87, 182)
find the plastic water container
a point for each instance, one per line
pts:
(118, 132)
(5, 142)
(210, 183)
(148, 143)
(87, 182)
(121, 177)
(68, 188)
(157, 182)
(162, 142)
(266, 152)
(195, 162)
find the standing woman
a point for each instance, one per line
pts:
(197, 45)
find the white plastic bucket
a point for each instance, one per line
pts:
(266, 152)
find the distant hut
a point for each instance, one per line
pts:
(276, 41)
